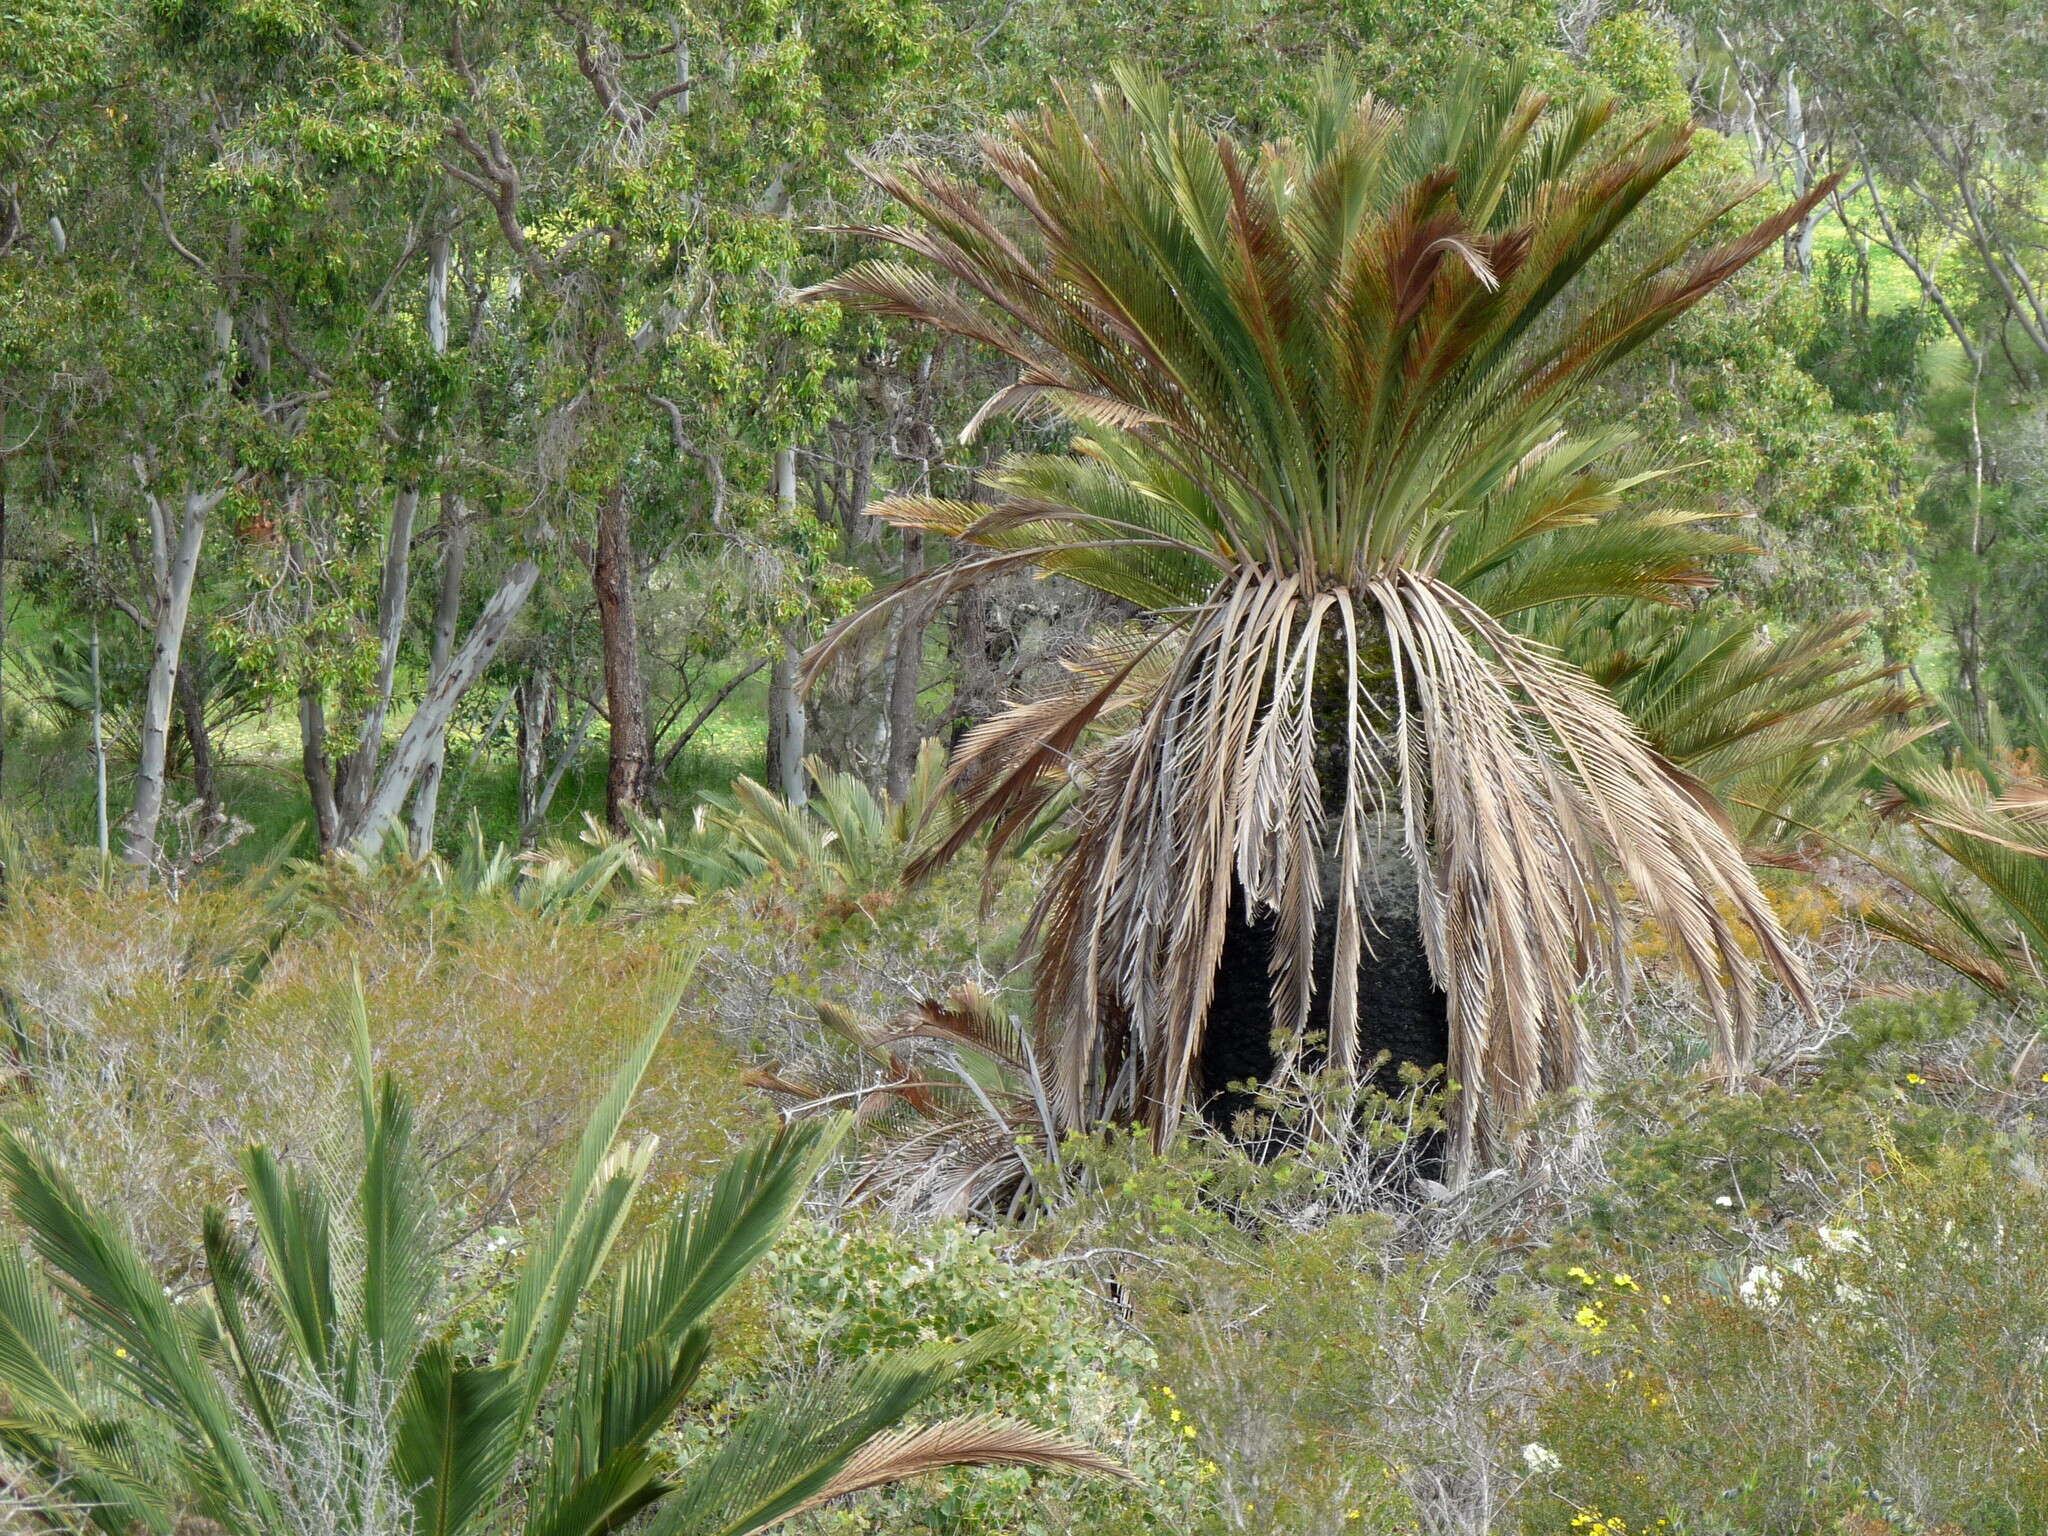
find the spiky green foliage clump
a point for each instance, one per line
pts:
(1779, 726)
(1325, 391)
(309, 1387)
(1981, 811)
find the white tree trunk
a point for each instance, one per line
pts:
(391, 595)
(426, 800)
(785, 692)
(99, 735)
(176, 571)
(427, 729)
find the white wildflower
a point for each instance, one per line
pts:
(1541, 1459)
(1763, 1287)
(1841, 1239)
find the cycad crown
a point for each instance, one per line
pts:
(1323, 391)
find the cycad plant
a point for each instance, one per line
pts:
(1778, 724)
(953, 1097)
(1980, 907)
(843, 837)
(1325, 396)
(310, 1385)
(844, 840)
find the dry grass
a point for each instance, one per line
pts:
(155, 1035)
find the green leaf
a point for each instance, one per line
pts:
(140, 1334)
(457, 1433)
(780, 1454)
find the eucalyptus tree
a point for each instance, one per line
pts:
(639, 178)
(59, 69)
(1938, 107)
(1323, 391)
(188, 418)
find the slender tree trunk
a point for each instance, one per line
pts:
(447, 614)
(615, 576)
(572, 748)
(854, 525)
(905, 672)
(313, 759)
(1924, 275)
(1970, 653)
(191, 695)
(780, 680)
(787, 723)
(974, 687)
(360, 773)
(426, 802)
(1799, 240)
(429, 722)
(177, 569)
(99, 727)
(534, 700)
(786, 719)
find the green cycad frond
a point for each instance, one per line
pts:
(1987, 814)
(844, 836)
(310, 1387)
(789, 1455)
(1780, 727)
(1321, 389)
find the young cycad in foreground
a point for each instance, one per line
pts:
(305, 1387)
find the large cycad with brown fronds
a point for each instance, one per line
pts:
(1324, 394)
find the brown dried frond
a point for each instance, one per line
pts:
(983, 1440)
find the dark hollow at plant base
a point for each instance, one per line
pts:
(1400, 1009)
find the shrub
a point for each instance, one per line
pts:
(155, 1035)
(840, 1294)
(1885, 1372)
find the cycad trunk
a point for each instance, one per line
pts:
(1400, 1008)
(1401, 1011)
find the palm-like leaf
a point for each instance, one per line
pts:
(1986, 815)
(796, 1452)
(309, 1389)
(1780, 727)
(1323, 390)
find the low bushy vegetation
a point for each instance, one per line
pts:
(1810, 1305)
